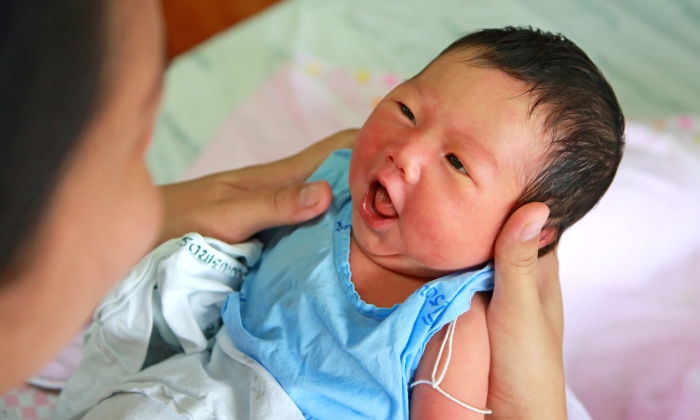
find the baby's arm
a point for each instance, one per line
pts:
(468, 372)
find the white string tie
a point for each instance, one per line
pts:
(435, 383)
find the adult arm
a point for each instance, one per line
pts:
(232, 206)
(525, 324)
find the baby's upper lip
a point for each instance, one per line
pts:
(388, 179)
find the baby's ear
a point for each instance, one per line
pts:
(547, 236)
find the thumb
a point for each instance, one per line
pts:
(527, 374)
(515, 255)
(290, 204)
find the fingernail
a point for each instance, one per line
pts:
(310, 195)
(533, 228)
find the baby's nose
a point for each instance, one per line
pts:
(407, 163)
(411, 173)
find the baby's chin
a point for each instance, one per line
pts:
(401, 262)
(398, 262)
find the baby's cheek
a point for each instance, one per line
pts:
(446, 244)
(431, 237)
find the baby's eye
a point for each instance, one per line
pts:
(454, 161)
(407, 112)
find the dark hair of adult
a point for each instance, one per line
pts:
(582, 117)
(51, 66)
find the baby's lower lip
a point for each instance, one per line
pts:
(369, 212)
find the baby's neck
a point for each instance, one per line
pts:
(378, 285)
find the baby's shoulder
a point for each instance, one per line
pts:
(334, 169)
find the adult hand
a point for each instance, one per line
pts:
(232, 206)
(525, 324)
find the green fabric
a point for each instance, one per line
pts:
(649, 50)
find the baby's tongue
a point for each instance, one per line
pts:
(383, 204)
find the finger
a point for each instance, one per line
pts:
(516, 256)
(286, 205)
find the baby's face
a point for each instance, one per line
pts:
(438, 166)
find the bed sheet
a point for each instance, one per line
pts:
(630, 274)
(650, 51)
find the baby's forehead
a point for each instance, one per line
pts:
(470, 78)
(483, 95)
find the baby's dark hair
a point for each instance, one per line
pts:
(583, 119)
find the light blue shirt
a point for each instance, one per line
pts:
(337, 357)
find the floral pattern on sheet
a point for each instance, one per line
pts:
(360, 89)
(685, 126)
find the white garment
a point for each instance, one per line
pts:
(179, 287)
(223, 384)
(192, 371)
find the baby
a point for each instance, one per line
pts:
(355, 313)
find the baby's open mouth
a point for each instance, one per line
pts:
(382, 202)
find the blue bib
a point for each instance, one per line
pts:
(298, 314)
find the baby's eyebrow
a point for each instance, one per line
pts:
(413, 88)
(482, 153)
(490, 158)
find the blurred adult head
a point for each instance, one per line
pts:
(80, 83)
